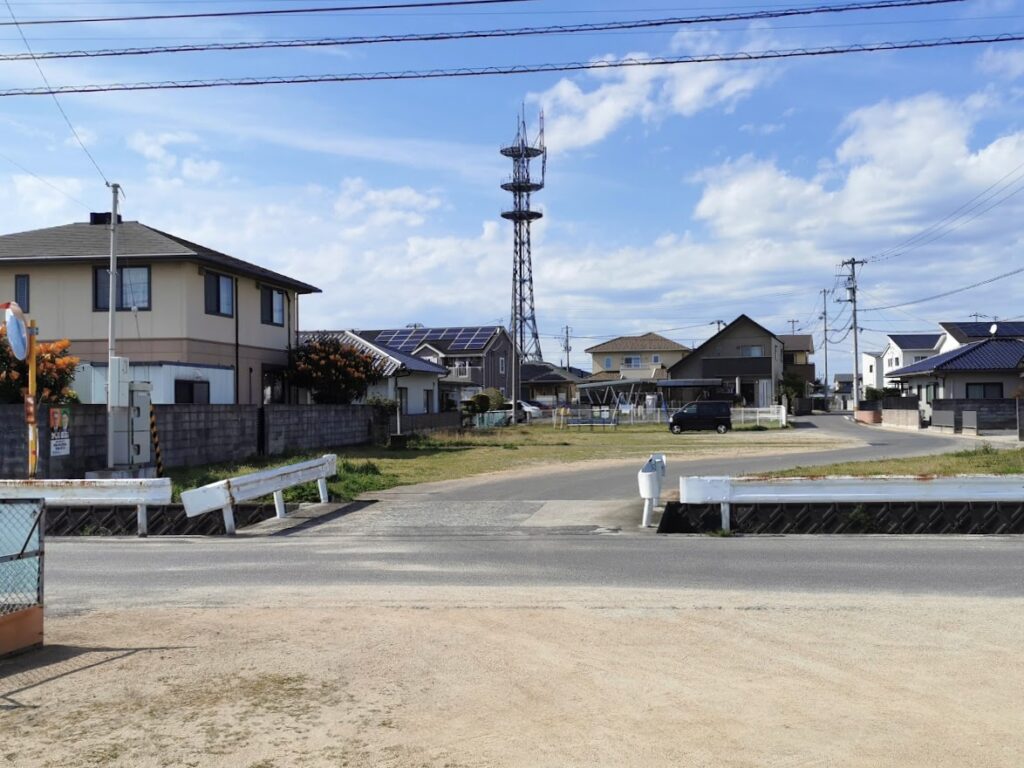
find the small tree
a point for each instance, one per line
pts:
(494, 395)
(334, 372)
(55, 371)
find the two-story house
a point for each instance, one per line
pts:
(905, 349)
(648, 356)
(797, 349)
(477, 357)
(199, 325)
(959, 334)
(744, 355)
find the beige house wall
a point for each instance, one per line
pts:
(175, 329)
(668, 359)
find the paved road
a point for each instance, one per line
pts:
(511, 533)
(620, 482)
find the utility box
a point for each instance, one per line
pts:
(122, 378)
(132, 445)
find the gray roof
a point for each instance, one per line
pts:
(915, 340)
(648, 342)
(975, 331)
(549, 373)
(391, 359)
(989, 355)
(91, 242)
(797, 342)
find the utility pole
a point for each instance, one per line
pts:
(718, 325)
(792, 326)
(115, 190)
(851, 297)
(824, 317)
(566, 347)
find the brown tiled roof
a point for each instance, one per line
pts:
(648, 342)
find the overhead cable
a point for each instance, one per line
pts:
(269, 12)
(980, 283)
(518, 69)
(49, 89)
(562, 29)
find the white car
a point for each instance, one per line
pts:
(531, 411)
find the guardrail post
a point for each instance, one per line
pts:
(229, 520)
(279, 508)
(726, 516)
(142, 514)
(321, 485)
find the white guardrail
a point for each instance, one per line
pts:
(812, 490)
(135, 492)
(224, 494)
(649, 479)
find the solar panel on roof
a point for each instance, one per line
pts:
(459, 338)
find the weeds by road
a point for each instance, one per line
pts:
(448, 456)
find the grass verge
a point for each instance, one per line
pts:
(447, 456)
(985, 460)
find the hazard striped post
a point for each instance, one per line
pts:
(155, 435)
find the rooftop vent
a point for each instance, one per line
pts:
(102, 219)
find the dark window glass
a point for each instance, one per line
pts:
(985, 391)
(133, 288)
(191, 392)
(21, 291)
(220, 295)
(271, 306)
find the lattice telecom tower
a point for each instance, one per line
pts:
(524, 318)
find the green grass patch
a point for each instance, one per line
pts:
(985, 460)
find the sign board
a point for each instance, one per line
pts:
(60, 431)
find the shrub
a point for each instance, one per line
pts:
(55, 370)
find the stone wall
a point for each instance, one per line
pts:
(88, 429)
(992, 414)
(193, 435)
(303, 428)
(893, 417)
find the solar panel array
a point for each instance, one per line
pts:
(464, 339)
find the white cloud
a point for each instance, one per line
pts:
(1002, 61)
(200, 170)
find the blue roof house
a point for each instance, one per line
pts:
(989, 369)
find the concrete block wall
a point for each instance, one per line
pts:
(992, 414)
(901, 418)
(193, 435)
(88, 428)
(300, 428)
(14, 446)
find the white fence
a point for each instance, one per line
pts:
(649, 479)
(759, 416)
(137, 492)
(807, 490)
(224, 494)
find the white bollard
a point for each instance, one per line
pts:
(321, 485)
(726, 517)
(142, 515)
(279, 508)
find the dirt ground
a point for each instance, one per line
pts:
(483, 677)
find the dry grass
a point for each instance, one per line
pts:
(449, 456)
(982, 461)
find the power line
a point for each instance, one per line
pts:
(980, 283)
(562, 29)
(519, 69)
(49, 88)
(39, 178)
(270, 12)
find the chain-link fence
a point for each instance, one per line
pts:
(21, 555)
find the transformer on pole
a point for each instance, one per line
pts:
(525, 338)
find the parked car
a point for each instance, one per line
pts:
(530, 410)
(703, 414)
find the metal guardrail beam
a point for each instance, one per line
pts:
(133, 492)
(802, 490)
(224, 494)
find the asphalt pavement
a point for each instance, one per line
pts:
(553, 530)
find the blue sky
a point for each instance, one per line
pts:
(676, 196)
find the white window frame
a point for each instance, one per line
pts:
(632, 361)
(655, 359)
(747, 348)
(501, 365)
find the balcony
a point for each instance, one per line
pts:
(731, 367)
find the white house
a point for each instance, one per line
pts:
(906, 349)
(871, 370)
(958, 334)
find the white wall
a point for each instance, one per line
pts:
(415, 384)
(91, 381)
(871, 370)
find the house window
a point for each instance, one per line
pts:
(919, 358)
(193, 392)
(461, 369)
(632, 362)
(655, 359)
(271, 306)
(871, 368)
(220, 295)
(985, 391)
(403, 399)
(132, 291)
(501, 365)
(607, 363)
(752, 350)
(428, 401)
(21, 291)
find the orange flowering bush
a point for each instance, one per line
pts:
(332, 371)
(55, 370)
